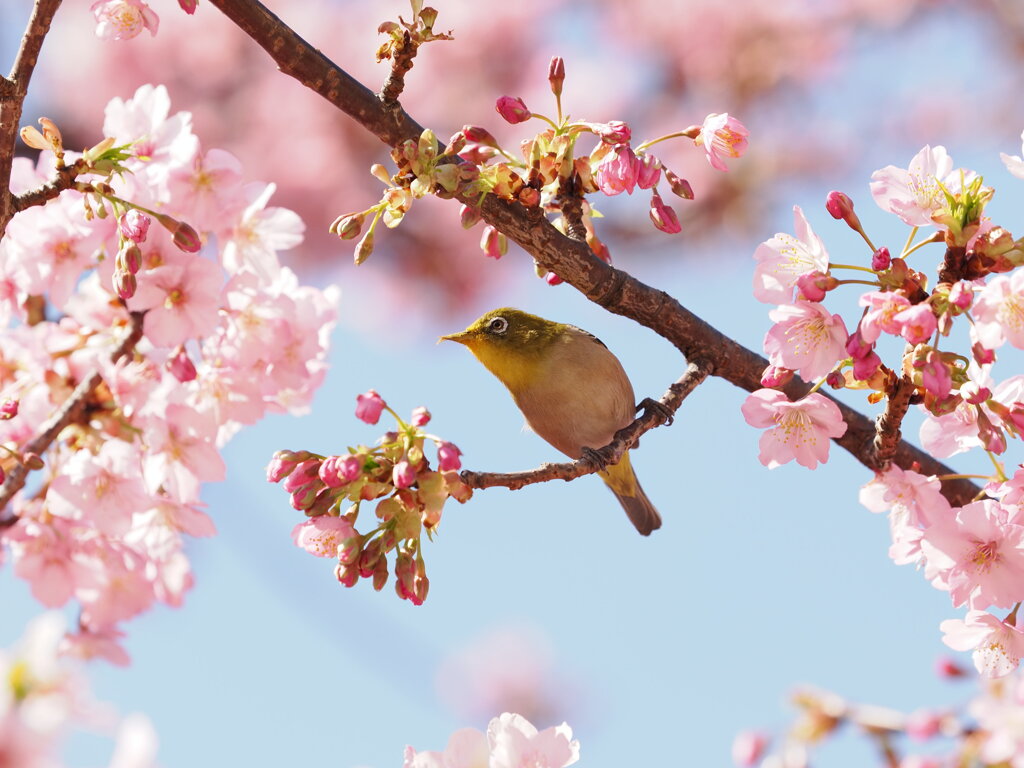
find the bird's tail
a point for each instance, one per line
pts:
(622, 480)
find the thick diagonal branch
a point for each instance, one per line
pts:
(624, 439)
(571, 260)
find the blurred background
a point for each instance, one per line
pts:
(545, 601)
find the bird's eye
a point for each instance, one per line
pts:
(498, 325)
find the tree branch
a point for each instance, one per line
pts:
(571, 260)
(68, 412)
(12, 98)
(623, 440)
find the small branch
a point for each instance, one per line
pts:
(69, 412)
(887, 427)
(401, 62)
(65, 179)
(12, 97)
(624, 439)
(572, 210)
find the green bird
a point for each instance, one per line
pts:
(571, 389)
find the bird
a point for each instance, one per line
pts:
(572, 390)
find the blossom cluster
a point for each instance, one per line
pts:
(549, 174)
(409, 496)
(511, 741)
(44, 698)
(225, 335)
(975, 551)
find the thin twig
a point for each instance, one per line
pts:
(12, 97)
(887, 427)
(401, 62)
(595, 461)
(69, 412)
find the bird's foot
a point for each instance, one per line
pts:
(595, 457)
(650, 404)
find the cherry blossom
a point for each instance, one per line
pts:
(914, 193)
(997, 646)
(805, 338)
(722, 136)
(999, 312)
(782, 260)
(123, 19)
(799, 430)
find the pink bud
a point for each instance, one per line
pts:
(613, 132)
(991, 436)
(835, 379)
(478, 135)
(187, 239)
(448, 457)
(961, 295)
(493, 243)
(369, 407)
(663, 216)
(618, 171)
(125, 284)
(856, 347)
(283, 462)
(948, 668)
(556, 74)
(881, 260)
(469, 216)
(680, 187)
(129, 259)
(347, 575)
(456, 143)
(403, 474)
(813, 285)
(349, 226)
(923, 724)
(866, 367)
(9, 408)
(134, 225)
(840, 206)
(776, 376)
(917, 323)
(974, 393)
(982, 355)
(420, 417)
(181, 366)
(302, 474)
(512, 109)
(649, 173)
(935, 375)
(188, 6)
(552, 279)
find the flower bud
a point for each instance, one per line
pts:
(512, 109)
(283, 462)
(948, 668)
(134, 225)
(420, 417)
(130, 259)
(840, 206)
(478, 135)
(680, 187)
(529, 197)
(469, 216)
(493, 243)
(983, 356)
(369, 406)
(776, 376)
(187, 239)
(380, 574)
(9, 408)
(125, 284)
(650, 171)
(448, 457)
(403, 474)
(347, 575)
(181, 366)
(33, 138)
(663, 216)
(835, 380)
(552, 279)
(349, 226)
(961, 295)
(556, 74)
(613, 132)
(365, 248)
(880, 259)
(188, 6)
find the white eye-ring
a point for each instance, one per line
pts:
(498, 325)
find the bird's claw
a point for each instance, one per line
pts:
(592, 455)
(650, 404)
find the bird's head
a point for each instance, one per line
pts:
(509, 342)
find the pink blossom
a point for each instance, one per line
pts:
(907, 492)
(123, 19)
(134, 225)
(917, 323)
(999, 312)
(337, 471)
(747, 748)
(260, 233)
(448, 457)
(953, 433)
(515, 742)
(997, 646)
(420, 417)
(512, 109)
(650, 171)
(784, 258)
(322, 535)
(182, 452)
(467, 748)
(799, 430)
(978, 554)
(403, 474)
(618, 171)
(805, 338)
(369, 406)
(935, 374)
(722, 137)
(883, 306)
(881, 259)
(182, 301)
(208, 191)
(493, 243)
(612, 132)
(103, 643)
(914, 193)
(775, 377)
(44, 557)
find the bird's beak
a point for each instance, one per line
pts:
(460, 337)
